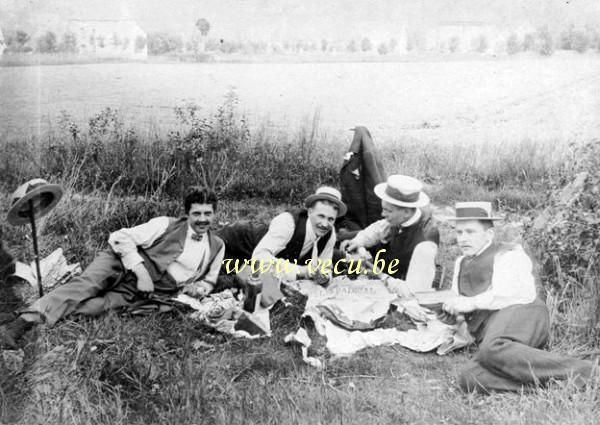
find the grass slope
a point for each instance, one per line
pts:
(167, 369)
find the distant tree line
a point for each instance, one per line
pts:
(539, 40)
(578, 39)
(21, 42)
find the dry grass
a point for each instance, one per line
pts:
(127, 370)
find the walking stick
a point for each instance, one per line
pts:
(30, 201)
(36, 253)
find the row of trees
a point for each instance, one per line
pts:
(49, 42)
(160, 43)
(540, 41)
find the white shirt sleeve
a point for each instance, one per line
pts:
(373, 234)
(281, 230)
(124, 242)
(454, 286)
(421, 269)
(213, 272)
(512, 282)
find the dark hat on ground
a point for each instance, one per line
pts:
(44, 197)
(327, 193)
(473, 211)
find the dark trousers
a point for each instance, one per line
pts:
(103, 285)
(510, 357)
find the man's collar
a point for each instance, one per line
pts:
(310, 233)
(416, 217)
(483, 248)
(191, 232)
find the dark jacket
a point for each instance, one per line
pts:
(241, 238)
(361, 171)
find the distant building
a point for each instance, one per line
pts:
(109, 38)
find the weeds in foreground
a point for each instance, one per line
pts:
(130, 370)
(220, 151)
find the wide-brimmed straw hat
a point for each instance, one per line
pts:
(403, 191)
(473, 211)
(327, 193)
(43, 196)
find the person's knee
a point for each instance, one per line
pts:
(492, 352)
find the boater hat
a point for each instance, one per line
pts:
(44, 197)
(403, 191)
(474, 211)
(327, 193)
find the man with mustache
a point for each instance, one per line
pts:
(292, 239)
(498, 298)
(157, 258)
(405, 242)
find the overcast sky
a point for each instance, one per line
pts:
(284, 19)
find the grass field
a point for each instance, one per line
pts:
(166, 369)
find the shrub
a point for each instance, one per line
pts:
(512, 45)
(454, 44)
(366, 45)
(567, 234)
(546, 44)
(528, 42)
(217, 151)
(47, 43)
(69, 43)
(160, 43)
(579, 41)
(140, 43)
(18, 42)
(382, 49)
(480, 44)
(352, 47)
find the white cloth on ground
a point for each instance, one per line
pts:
(366, 300)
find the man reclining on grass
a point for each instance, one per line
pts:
(297, 236)
(497, 295)
(159, 257)
(406, 239)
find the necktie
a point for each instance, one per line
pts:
(196, 237)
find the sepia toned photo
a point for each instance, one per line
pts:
(299, 212)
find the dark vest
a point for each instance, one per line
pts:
(293, 248)
(241, 238)
(402, 245)
(167, 247)
(475, 277)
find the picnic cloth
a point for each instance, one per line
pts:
(358, 306)
(350, 315)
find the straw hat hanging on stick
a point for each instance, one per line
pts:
(29, 202)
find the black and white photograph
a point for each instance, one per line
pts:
(299, 212)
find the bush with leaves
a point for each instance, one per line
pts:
(567, 235)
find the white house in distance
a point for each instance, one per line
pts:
(122, 38)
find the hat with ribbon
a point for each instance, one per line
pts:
(473, 211)
(327, 193)
(43, 196)
(403, 191)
